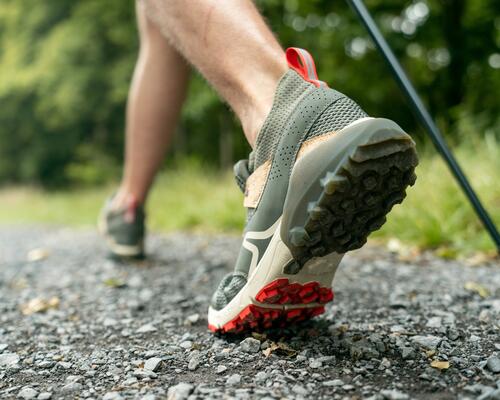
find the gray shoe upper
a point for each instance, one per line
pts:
(120, 229)
(300, 112)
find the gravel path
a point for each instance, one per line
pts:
(74, 324)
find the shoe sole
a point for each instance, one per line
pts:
(338, 194)
(273, 299)
(350, 197)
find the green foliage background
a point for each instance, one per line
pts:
(65, 68)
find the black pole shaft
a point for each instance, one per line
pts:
(425, 118)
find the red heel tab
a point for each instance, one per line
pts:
(301, 61)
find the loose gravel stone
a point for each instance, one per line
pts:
(394, 395)
(27, 393)
(315, 364)
(427, 342)
(193, 364)
(250, 345)
(221, 369)
(261, 376)
(233, 380)
(493, 364)
(192, 319)
(44, 396)
(112, 396)
(407, 353)
(8, 359)
(147, 328)
(153, 364)
(299, 389)
(333, 383)
(187, 344)
(72, 387)
(181, 391)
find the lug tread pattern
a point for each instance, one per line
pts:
(356, 198)
(256, 318)
(279, 292)
(282, 291)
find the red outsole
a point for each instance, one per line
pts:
(279, 292)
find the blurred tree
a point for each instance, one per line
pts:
(65, 69)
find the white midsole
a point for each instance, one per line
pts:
(270, 268)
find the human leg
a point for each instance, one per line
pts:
(231, 45)
(322, 175)
(155, 99)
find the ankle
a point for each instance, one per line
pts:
(253, 120)
(125, 199)
(260, 96)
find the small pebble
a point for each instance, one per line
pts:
(333, 383)
(315, 364)
(147, 328)
(8, 359)
(427, 342)
(233, 380)
(153, 364)
(394, 395)
(299, 389)
(493, 364)
(112, 396)
(181, 391)
(27, 393)
(187, 344)
(250, 345)
(193, 364)
(221, 369)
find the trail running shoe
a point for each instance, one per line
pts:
(123, 229)
(322, 177)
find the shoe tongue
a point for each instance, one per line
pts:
(290, 89)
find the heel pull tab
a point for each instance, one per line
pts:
(302, 62)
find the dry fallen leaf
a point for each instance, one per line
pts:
(477, 288)
(267, 352)
(394, 245)
(114, 282)
(440, 364)
(343, 328)
(481, 258)
(404, 252)
(447, 252)
(280, 346)
(39, 305)
(259, 336)
(287, 349)
(38, 254)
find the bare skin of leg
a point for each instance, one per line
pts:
(231, 45)
(155, 99)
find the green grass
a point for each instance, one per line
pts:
(434, 215)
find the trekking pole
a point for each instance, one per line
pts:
(424, 117)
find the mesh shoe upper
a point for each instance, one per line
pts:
(295, 99)
(124, 230)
